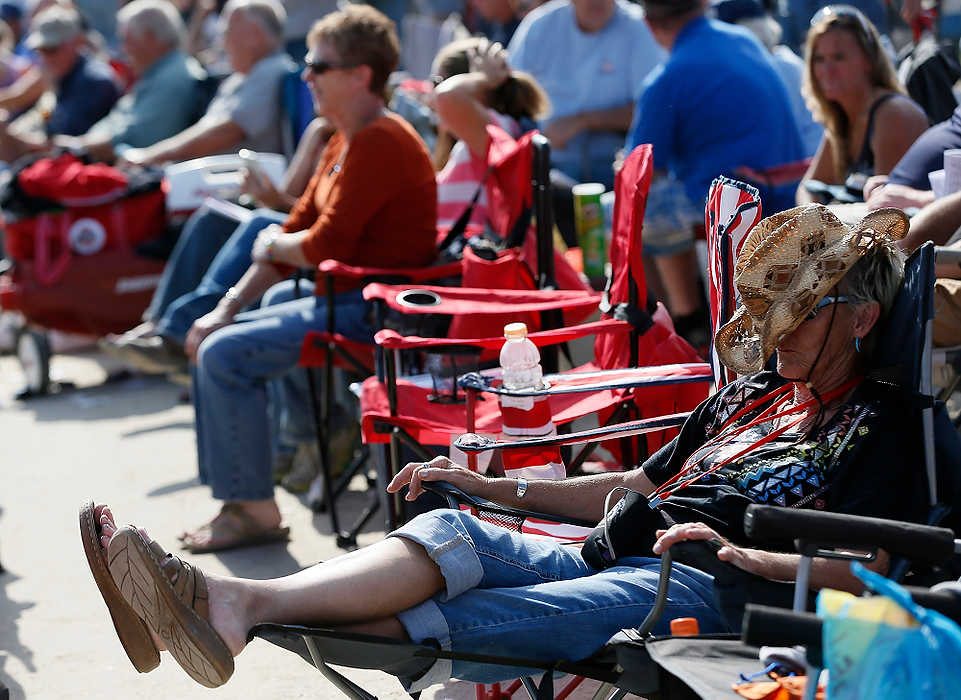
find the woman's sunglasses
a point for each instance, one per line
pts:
(847, 12)
(321, 67)
(826, 301)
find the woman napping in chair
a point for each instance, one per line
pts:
(814, 434)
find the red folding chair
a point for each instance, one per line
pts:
(634, 333)
(517, 187)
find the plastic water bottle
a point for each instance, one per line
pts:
(526, 416)
(520, 359)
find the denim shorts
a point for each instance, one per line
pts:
(514, 595)
(669, 218)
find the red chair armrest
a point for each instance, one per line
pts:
(414, 274)
(469, 301)
(392, 340)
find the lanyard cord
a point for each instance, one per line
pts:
(726, 435)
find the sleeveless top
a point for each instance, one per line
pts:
(864, 163)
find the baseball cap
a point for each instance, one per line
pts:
(10, 11)
(733, 11)
(53, 27)
(669, 8)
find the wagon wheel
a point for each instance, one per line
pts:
(33, 352)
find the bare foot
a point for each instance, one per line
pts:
(228, 602)
(237, 523)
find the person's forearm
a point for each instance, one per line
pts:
(610, 119)
(24, 92)
(196, 141)
(936, 222)
(802, 196)
(304, 163)
(98, 148)
(825, 573)
(579, 497)
(258, 279)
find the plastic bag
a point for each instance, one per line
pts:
(887, 646)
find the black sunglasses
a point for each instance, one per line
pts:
(321, 67)
(826, 301)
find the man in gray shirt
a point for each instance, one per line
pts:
(168, 94)
(246, 111)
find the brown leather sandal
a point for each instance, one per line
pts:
(131, 630)
(233, 527)
(170, 595)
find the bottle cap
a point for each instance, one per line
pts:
(515, 331)
(684, 626)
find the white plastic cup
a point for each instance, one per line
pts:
(936, 178)
(952, 170)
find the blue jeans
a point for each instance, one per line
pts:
(234, 366)
(508, 594)
(203, 235)
(230, 262)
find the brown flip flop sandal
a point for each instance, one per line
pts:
(170, 595)
(131, 630)
(234, 528)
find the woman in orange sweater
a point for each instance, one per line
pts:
(372, 201)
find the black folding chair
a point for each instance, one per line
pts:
(628, 660)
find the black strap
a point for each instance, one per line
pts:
(461, 224)
(639, 318)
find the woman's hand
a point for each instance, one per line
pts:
(204, 326)
(871, 184)
(683, 532)
(900, 196)
(490, 59)
(438, 469)
(264, 245)
(259, 186)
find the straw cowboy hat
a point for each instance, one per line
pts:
(789, 262)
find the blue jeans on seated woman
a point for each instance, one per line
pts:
(234, 366)
(511, 595)
(203, 267)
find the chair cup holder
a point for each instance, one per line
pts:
(418, 298)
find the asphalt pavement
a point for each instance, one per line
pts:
(128, 443)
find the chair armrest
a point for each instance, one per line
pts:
(413, 274)
(947, 255)
(922, 544)
(455, 497)
(472, 443)
(392, 340)
(767, 626)
(466, 300)
(600, 380)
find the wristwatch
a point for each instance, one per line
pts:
(521, 486)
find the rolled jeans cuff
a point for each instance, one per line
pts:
(449, 548)
(423, 622)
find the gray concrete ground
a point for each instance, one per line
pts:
(130, 444)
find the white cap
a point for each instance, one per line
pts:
(515, 331)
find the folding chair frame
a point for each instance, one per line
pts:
(335, 353)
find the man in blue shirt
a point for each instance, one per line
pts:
(715, 104)
(84, 89)
(591, 57)
(167, 97)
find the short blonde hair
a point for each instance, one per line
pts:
(361, 36)
(828, 112)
